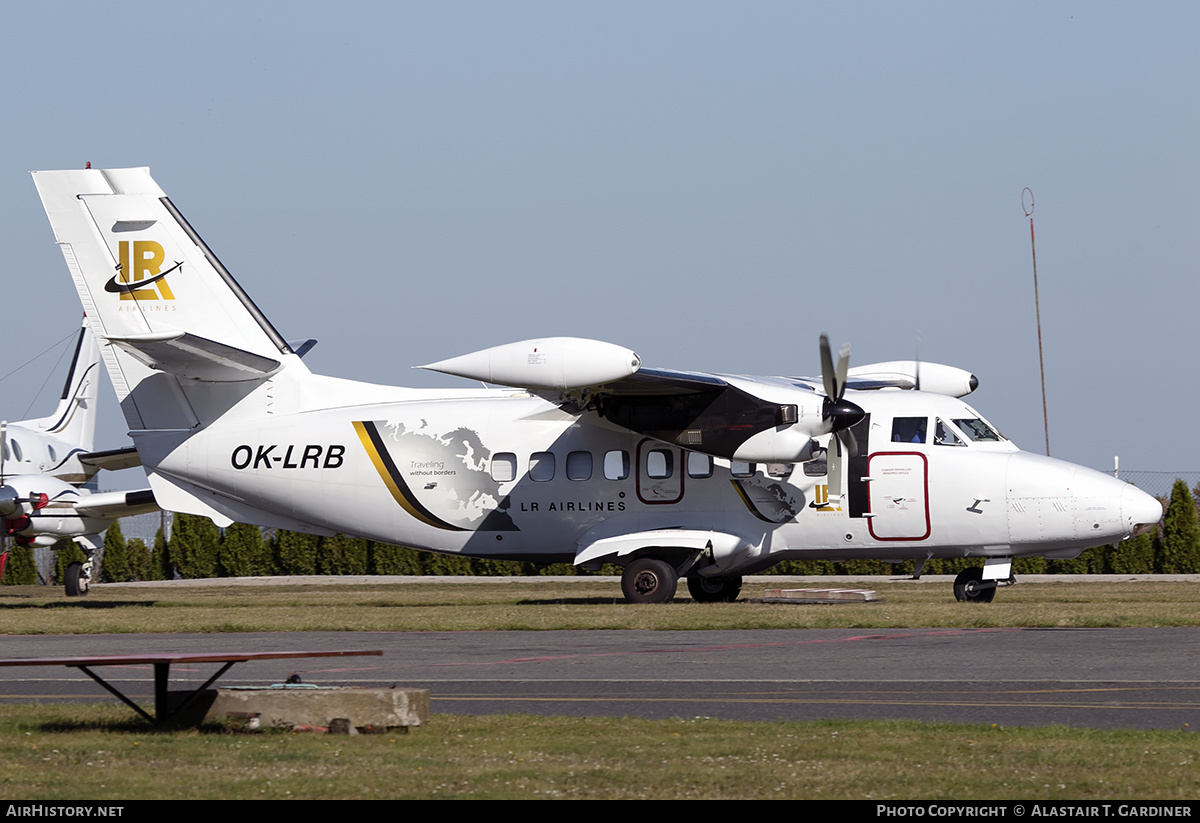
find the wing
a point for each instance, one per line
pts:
(762, 419)
(767, 419)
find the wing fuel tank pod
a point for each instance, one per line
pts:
(909, 374)
(549, 363)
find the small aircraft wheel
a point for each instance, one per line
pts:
(714, 589)
(649, 580)
(77, 581)
(969, 588)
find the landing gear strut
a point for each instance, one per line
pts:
(649, 580)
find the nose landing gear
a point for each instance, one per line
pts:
(971, 587)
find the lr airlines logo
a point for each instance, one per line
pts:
(140, 275)
(821, 500)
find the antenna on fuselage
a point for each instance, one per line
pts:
(1027, 205)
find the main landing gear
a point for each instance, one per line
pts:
(78, 580)
(649, 580)
(714, 589)
(79, 575)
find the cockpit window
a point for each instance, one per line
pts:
(909, 429)
(975, 429)
(943, 435)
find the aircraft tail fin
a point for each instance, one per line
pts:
(74, 419)
(184, 342)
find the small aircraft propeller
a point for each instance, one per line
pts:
(837, 413)
(13, 506)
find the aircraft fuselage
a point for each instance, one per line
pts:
(506, 474)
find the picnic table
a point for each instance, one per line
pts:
(162, 662)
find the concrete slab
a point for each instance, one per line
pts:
(291, 707)
(820, 596)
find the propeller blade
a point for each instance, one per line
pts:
(917, 387)
(833, 467)
(827, 373)
(843, 367)
(847, 437)
(837, 413)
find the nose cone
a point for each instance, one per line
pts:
(1058, 505)
(1141, 511)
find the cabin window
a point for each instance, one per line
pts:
(975, 429)
(739, 468)
(541, 466)
(781, 471)
(909, 429)
(660, 464)
(699, 465)
(504, 467)
(579, 466)
(943, 435)
(616, 464)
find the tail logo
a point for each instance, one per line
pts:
(140, 269)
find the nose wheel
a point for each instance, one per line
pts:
(970, 587)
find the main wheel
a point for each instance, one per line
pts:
(649, 580)
(969, 588)
(714, 589)
(77, 581)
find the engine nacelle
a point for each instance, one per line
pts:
(783, 444)
(549, 363)
(24, 494)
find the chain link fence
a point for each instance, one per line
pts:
(1159, 483)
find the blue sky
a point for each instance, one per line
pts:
(710, 184)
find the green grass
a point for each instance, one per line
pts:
(92, 752)
(595, 604)
(61, 752)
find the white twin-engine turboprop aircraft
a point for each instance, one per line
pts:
(45, 462)
(592, 459)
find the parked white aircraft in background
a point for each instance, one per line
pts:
(592, 459)
(45, 462)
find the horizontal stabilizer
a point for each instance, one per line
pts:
(111, 459)
(190, 356)
(117, 504)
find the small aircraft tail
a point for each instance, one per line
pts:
(185, 343)
(74, 420)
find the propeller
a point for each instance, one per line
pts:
(14, 507)
(837, 413)
(917, 387)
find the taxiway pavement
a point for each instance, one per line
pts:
(1101, 678)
